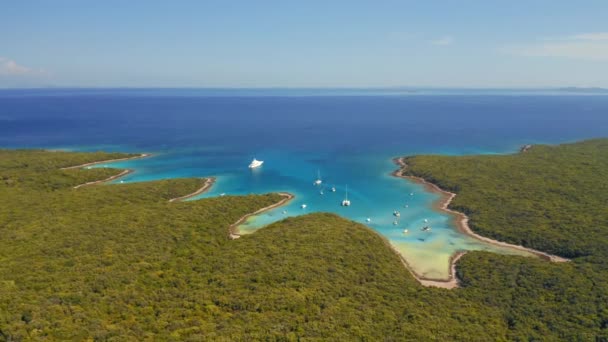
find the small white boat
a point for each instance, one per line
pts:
(333, 189)
(121, 182)
(411, 194)
(426, 229)
(405, 231)
(255, 163)
(406, 206)
(368, 220)
(303, 206)
(395, 223)
(318, 181)
(284, 212)
(396, 213)
(346, 202)
(321, 192)
(426, 221)
(222, 194)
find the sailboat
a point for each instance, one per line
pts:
(333, 189)
(346, 202)
(318, 181)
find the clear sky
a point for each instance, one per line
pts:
(307, 43)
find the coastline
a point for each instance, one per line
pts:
(233, 230)
(462, 223)
(460, 219)
(111, 178)
(143, 155)
(450, 283)
(208, 183)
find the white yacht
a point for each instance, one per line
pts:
(318, 181)
(346, 202)
(405, 231)
(255, 163)
(303, 206)
(396, 213)
(333, 189)
(368, 220)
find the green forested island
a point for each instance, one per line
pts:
(119, 262)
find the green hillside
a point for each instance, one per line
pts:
(551, 198)
(118, 262)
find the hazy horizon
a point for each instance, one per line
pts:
(414, 88)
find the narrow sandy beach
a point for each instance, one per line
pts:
(450, 283)
(143, 155)
(208, 183)
(462, 223)
(111, 178)
(233, 230)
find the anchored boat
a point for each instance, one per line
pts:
(346, 202)
(318, 181)
(255, 163)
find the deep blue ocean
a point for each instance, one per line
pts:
(349, 136)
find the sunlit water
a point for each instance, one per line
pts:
(349, 138)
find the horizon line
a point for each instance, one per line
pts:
(306, 88)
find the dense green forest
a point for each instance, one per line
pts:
(550, 198)
(118, 262)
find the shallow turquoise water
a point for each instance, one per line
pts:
(373, 192)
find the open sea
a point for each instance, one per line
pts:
(349, 136)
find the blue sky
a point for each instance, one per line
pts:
(304, 43)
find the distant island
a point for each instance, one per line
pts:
(583, 90)
(123, 261)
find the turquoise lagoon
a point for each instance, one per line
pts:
(373, 191)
